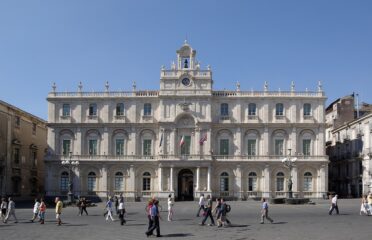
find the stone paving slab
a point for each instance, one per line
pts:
(291, 222)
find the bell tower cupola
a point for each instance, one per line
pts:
(186, 57)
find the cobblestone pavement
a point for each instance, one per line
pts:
(291, 222)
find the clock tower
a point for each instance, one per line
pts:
(185, 77)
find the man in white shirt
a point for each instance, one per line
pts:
(334, 205)
(201, 204)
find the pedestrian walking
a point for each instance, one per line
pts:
(208, 211)
(369, 200)
(170, 208)
(3, 207)
(83, 206)
(121, 210)
(59, 206)
(364, 208)
(265, 212)
(148, 212)
(109, 209)
(155, 216)
(334, 205)
(116, 200)
(11, 211)
(35, 210)
(78, 204)
(201, 205)
(42, 211)
(222, 216)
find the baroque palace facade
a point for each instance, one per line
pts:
(186, 139)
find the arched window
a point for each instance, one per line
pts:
(64, 181)
(120, 109)
(280, 181)
(224, 182)
(92, 181)
(252, 109)
(147, 109)
(307, 109)
(224, 109)
(252, 181)
(308, 182)
(146, 181)
(92, 109)
(119, 181)
(279, 109)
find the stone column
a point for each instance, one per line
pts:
(266, 191)
(238, 182)
(197, 139)
(238, 142)
(133, 143)
(208, 144)
(209, 179)
(105, 143)
(172, 142)
(197, 179)
(171, 179)
(266, 142)
(132, 183)
(103, 191)
(78, 145)
(160, 178)
(294, 141)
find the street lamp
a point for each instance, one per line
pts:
(69, 165)
(289, 163)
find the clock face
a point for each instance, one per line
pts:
(186, 82)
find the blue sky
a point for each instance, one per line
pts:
(42, 42)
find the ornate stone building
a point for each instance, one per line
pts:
(23, 142)
(187, 139)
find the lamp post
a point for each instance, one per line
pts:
(289, 163)
(69, 165)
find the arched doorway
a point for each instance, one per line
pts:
(185, 185)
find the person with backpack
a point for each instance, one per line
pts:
(224, 209)
(121, 210)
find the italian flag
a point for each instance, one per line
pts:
(182, 141)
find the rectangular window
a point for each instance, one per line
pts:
(66, 147)
(307, 109)
(147, 147)
(279, 147)
(280, 184)
(251, 147)
(16, 155)
(34, 128)
(279, 109)
(224, 184)
(224, 109)
(119, 147)
(252, 109)
(66, 110)
(308, 184)
(64, 183)
(147, 109)
(17, 121)
(146, 184)
(119, 183)
(120, 109)
(252, 184)
(185, 148)
(224, 147)
(306, 143)
(93, 147)
(91, 184)
(93, 109)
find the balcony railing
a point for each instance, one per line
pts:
(191, 157)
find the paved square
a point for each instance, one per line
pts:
(291, 222)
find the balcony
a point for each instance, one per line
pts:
(280, 119)
(92, 119)
(147, 119)
(120, 118)
(225, 119)
(253, 119)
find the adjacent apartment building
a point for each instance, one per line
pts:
(186, 139)
(349, 147)
(23, 142)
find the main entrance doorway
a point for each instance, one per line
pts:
(185, 185)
